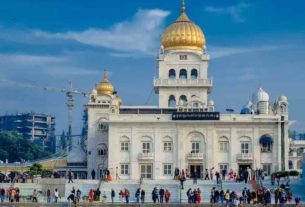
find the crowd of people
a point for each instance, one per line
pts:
(11, 194)
(243, 175)
(281, 195)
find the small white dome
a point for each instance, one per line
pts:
(94, 92)
(211, 103)
(283, 98)
(262, 96)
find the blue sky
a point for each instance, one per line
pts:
(49, 42)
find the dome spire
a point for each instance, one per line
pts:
(105, 74)
(183, 6)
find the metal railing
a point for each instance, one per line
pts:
(189, 82)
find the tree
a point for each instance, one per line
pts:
(16, 149)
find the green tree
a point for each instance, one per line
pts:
(15, 148)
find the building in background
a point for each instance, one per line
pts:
(39, 128)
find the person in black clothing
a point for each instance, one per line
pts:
(246, 176)
(137, 195)
(142, 195)
(182, 179)
(70, 176)
(207, 175)
(155, 195)
(161, 194)
(217, 177)
(112, 195)
(97, 194)
(93, 174)
(224, 173)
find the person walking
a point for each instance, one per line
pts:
(167, 196)
(206, 175)
(117, 177)
(56, 195)
(127, 195)
(112, 195)
(198, 197)
(212, 173)
(70, 176)
(195, 177)
(227, 197)
(34, 198)
(212, 197)
(224, 173)
(217, 177)
(137, 195)
(2, 194)
(91, 195)
(182, 179)
(78, 195)
(48, 194)
(142, 195)
(161, 194)
(93, 174)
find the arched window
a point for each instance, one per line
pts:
(124, 144)
(172, 101)
(194, 74)
(172, 74)
(223, 144)
(183, 74)
(183, 100)
(167, 144)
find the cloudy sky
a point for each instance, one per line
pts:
(49, 42)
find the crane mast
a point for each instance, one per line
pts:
(70, 93)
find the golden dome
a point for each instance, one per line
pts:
(105, 87)
(183, 34)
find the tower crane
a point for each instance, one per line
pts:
(70, 93)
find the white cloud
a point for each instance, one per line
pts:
(139, 35)
(52, 65)
(234, 11)
(220, 52)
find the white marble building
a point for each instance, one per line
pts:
(184, 131)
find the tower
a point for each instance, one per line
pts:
(182, 79)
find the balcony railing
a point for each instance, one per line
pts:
(244, 156)
(195, 156)
(184, 82)
(146, 156)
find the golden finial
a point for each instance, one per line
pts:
(183, 6)
(105, 75)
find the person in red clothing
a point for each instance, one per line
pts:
(198, 197)
(91, 195)
(167, 196)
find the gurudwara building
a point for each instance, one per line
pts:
(185, 130)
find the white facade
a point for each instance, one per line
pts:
(141, 141)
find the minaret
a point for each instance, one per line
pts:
(182, 79)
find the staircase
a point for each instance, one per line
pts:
(177, 194)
